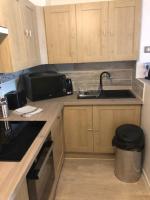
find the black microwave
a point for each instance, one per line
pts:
(45, 85)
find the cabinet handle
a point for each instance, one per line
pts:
(26, 32)
(90, 129)
(30, 33)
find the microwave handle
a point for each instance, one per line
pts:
(37, 173)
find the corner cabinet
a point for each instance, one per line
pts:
(60, 25)
(93, 32)
(19, 49)
(90, 129)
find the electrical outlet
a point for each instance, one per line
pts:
(147, 49)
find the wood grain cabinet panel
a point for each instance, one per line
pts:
(20, 48)
(58, 149)
(78, 129)
(12, 47)
(93, 32)
(90, 129)
(105, 121)
(124, 29)
(30, 30)
(22, 194)
(92, 20)
(61, 33)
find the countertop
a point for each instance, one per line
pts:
(12, 173)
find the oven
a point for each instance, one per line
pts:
(41, 176)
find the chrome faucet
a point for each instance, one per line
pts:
(107, 75)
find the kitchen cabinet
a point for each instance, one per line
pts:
(30, 29)
(105, 121)
(58, 149)
(22, 193)
(90, 129)
(91, 31)
(61, 33)
(19, 49)
(77, 129)
(124, 29)
(3, 21)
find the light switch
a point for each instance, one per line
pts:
(147, 49)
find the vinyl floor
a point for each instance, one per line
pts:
(93, 179)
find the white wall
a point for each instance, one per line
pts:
(59, 2)
(145, 38)
(145, 123)
(39, 2)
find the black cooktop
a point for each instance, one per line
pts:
(16, 137)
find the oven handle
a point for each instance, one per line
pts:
(35, 172)
(45, 160)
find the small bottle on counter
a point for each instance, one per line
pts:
(3, 108)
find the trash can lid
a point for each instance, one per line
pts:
(129, 133)
(129, 137)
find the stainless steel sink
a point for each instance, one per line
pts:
(105, 94)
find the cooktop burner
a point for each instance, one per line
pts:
(16, 137)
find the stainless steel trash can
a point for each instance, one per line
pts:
(129, 142)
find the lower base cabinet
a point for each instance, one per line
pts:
(58, 148)
(22, 193)
(90, 129)
(77, 129)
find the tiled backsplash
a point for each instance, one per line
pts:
(86, 75)
(137, 86)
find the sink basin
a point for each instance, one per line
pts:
(106, 94)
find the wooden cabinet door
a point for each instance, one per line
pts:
(105, 121)
(58, 150)
(92, 27)
(16, 37)
(78, 129)
(22, 194)
(3, 16)
(124, 29)
(61, 33)
(30, 29)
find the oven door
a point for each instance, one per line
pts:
(41, 176)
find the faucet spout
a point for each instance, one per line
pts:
(102, 75)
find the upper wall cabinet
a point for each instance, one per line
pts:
(30, 29)
(124, 29)
(61, 33)
(99, 31)
(91, 31)
(19, 49)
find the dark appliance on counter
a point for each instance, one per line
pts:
(45, 85)
(148, 71)
(69, 87)
(41, 176)
(17, 98)
(16, 137)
